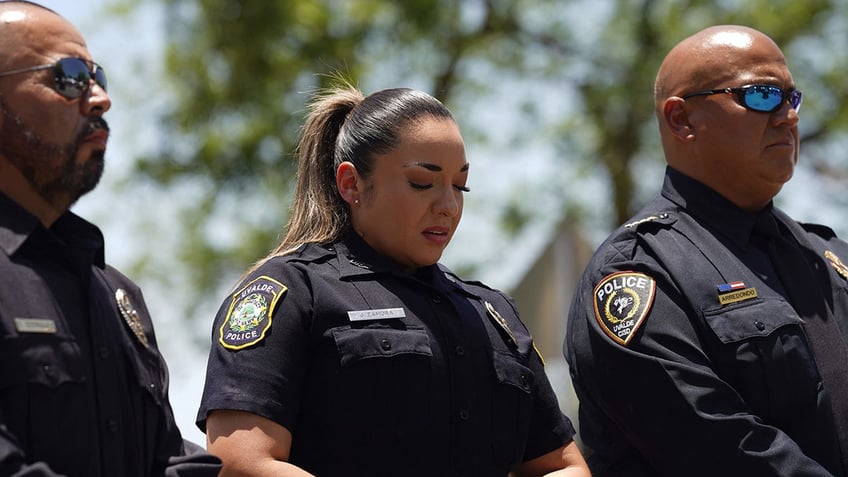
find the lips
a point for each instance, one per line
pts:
(786, 141)
(437, 234)
(437, 230)
(98, 136)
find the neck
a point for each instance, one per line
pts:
(20, 190)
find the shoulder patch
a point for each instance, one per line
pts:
(249, 315)
(622, 301)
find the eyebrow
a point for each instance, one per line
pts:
(435, 167)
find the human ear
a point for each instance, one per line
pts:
(347, 182)
(676, 119)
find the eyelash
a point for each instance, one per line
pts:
(427, 186)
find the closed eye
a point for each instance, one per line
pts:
(420, 186)
(429, 186)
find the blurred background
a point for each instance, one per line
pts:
(554, 98)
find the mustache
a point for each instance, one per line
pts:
(95, 124)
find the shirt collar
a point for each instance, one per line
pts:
(356, 257)
(710, 207)
(17, 226)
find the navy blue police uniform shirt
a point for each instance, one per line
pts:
(83, 389)
(380, 372)
(687, 357)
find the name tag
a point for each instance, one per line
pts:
(384, 314)
(35, 325)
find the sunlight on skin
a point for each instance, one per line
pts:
(10, 17)
(732, 39)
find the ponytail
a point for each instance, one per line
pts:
(344, 125)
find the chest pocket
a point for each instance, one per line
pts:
(763, 347)
(511, 407)
(41, 359)
(757, 318)
(357, 344)
(41, 376)
(383, 374)
(47, 359)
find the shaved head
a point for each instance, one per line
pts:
(712, 137)
(17, 28)
(709, 58)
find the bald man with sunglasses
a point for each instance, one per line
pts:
(707, 334)
(83, 388)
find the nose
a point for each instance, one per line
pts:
(96, 100)
(449, 203)
(785, 116)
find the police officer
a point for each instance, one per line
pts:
(349, 351)
(83, 389)
(694, 348)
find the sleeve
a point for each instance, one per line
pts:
(12, 462)
(654, 403)
(193, 462)
(260, 340)
(550, 429)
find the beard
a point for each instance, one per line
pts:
(51, 169)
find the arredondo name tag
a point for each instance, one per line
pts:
(382, 314)
(737, 296)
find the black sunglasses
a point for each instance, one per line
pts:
(758, 97)
(72, 76)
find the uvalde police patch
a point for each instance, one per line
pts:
(622, 301)
(249, 316)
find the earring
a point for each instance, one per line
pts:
(356, 201)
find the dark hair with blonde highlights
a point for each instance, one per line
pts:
(344, 125)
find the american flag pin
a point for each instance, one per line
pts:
(728, 287)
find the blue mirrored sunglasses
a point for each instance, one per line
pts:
(71, 76)
(758, 97)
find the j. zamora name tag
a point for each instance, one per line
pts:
(35, 325)
(382, 314)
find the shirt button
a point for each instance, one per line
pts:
(464, 414)
(104, 353)
(49, 371)
(436, 299)
(386, 345)
(460, 351)
(760, 325)
(112, 425)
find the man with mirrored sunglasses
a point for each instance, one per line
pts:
(707, 334)
(83, 387)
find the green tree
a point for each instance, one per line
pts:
(240, 72)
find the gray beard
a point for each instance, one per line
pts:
(51, 169)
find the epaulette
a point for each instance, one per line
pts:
(311, 252)
(651, 221)
(822, 231)
(457, 279)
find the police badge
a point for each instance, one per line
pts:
(622, 301)
(249, 316)
(130, 316)
(837, 264)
